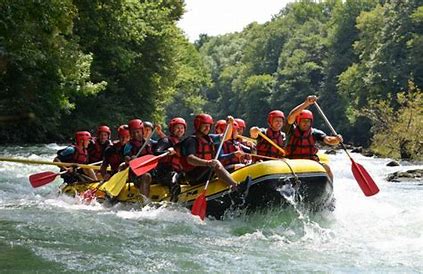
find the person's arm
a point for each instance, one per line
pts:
(310, 100)
(159, 131)
(254, 132)
(333, 140)
(162, 146)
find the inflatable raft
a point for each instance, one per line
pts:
(261, 185)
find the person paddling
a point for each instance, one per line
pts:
(219, 127)
(148, 130)
(98, 145)
(76, 153)
(233, 151)
(198, 152)
(170, 167)
(275, 120)
(132, 150)
(302, 137)
(113, 155)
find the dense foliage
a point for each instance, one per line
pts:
(73, 64)
(350, 53)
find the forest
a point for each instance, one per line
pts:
(74, 64)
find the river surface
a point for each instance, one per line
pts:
(43, 232)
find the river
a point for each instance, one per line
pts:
(40, 231)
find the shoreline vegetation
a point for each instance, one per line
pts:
(71, 65)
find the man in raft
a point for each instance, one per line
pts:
(233, 151)
(132, 150)
(148, 130)
(76, 153)
(170, 167)
(302, 137)
(113, 155)
(275, 120)
(198, 152)
(219, 127)
(99, 144)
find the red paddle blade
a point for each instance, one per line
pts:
(200, 206)
(89, 195)
(144, 164)
(42, 178)
(366, 183)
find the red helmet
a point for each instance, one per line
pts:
(275, 114)
(177, 121)
(123, 131)
(104, 129)
(221, 124)
(241, 123)
(202, 119)
(304, 114)
(135, 124)
(82, 136)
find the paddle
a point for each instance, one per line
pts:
(145, 163)
(38, 162)
(199, 207)
(43, 178)
(364, 180)
(117, 182)
(272, 143)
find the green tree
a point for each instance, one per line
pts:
(42, 68)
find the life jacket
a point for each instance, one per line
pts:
(174, 161)
(96, 150)
(266, 149)
(204, 149)
(115, 158)
(231, 146)
(136, 146)
(302, 145)
(80, 156)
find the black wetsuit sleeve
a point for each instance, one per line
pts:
(162, 146)
(188, 147)
(318, 134)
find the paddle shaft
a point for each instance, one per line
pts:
(39, 162)
(365, 181)
(217, 155)
(262, 156)
(331, 128)
(272, 143)
(145, 143)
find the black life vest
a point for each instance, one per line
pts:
(302, 145)
(266, 149)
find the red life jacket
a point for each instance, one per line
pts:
(80, 156)
(266, 149)
(115, 158)
(136, 145)
(96, 150)
(302, 145)
(175, 160)
(204, 150)
(231, 146)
